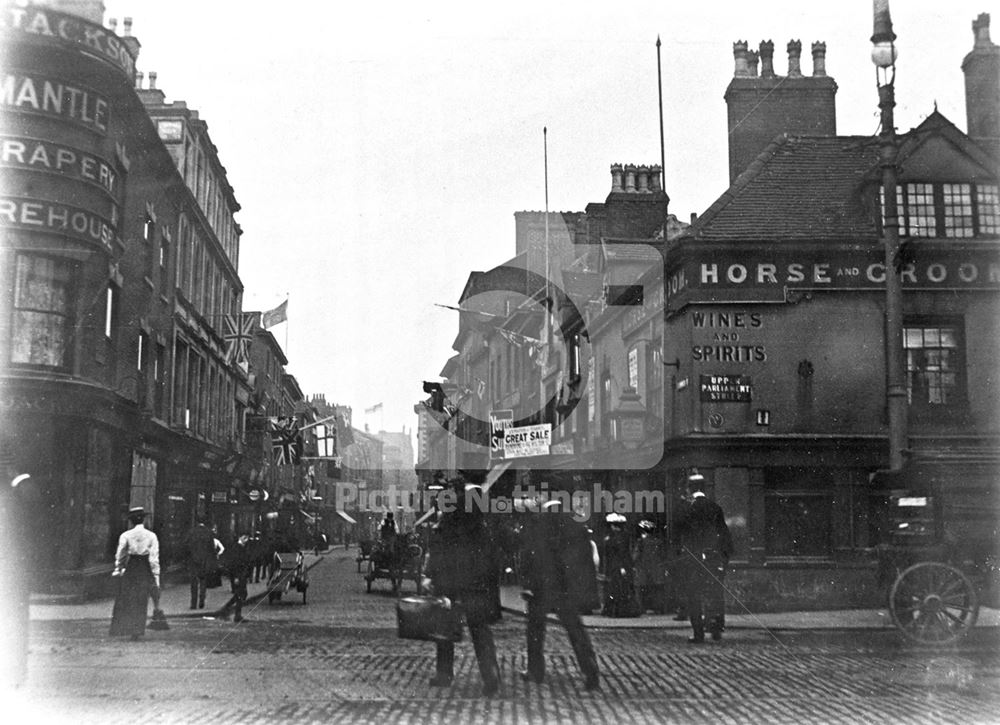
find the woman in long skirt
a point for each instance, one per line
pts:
(137, 567)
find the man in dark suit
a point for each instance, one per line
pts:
(706, 545)
(238, 564)
(461, 567)
(201, 561)
(559, 576)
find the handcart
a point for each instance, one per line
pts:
(288, 573)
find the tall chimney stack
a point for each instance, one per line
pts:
(761, 108)
(982, 87)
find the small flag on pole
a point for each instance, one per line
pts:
(374, 409)
(275, 317)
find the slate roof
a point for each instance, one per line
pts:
(798, 189)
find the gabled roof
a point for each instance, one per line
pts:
(803, 188)
(798, 188)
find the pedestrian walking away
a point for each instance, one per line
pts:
(137, 571)
(238, 565)
(560, 576)
(650, 568)
(707, 546)
(619, 578)
(202, 562)
(460, 568)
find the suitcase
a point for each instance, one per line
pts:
(428, 618)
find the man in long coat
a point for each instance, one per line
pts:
(201, 561)
(559, 576)
(707, 546)
(461, 567)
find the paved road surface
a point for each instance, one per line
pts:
(337, 659)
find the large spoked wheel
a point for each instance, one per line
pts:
(933, 603)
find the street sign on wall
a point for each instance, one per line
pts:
(725, 388)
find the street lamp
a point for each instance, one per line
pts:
(884, 57)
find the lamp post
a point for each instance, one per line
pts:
(884, 57)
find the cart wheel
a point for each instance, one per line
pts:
(933, 603)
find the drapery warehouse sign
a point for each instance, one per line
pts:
(528, 440)
(932, 269)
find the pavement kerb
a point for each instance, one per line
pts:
(864, 620)
(224, 610)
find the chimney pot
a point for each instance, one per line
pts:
(616, 178)
(694, 217)
(740, 57)
(981, 29)
(794, 58)
(654, 178)
(630, 179)
(752, 59)
(642, 179)
(766, 59)
(139, 76)
(127, 27)
(819, 59)
(113, 24)
(152, 80)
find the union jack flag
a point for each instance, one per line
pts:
(239, 332)
(286, 440)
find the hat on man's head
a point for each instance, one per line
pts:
(647, 525)
(137, 511)
(615, 519)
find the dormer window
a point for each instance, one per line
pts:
(948, 210)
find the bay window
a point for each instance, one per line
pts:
(42, 311)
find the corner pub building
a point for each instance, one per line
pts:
(775, 312)
(117, 266)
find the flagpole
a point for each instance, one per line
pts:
(548, 312)
(663, 172)
(286, 324)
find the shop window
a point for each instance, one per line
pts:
(933, 365)
(41, 315)
(110, 310)
(633, 368)
(605, 404)
(798, 512)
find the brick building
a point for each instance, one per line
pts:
(116, 270)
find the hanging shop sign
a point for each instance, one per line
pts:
(528, 440)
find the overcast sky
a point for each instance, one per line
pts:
(380, 150)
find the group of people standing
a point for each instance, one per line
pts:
(559, 573)
(137, 570)
(465, 558)
(691, 564)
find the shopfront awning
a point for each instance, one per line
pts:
(494, 474)
(345, 517)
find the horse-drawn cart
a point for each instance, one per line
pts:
(942, 558)
(397, 559)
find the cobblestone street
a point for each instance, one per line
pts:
(338, 659)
